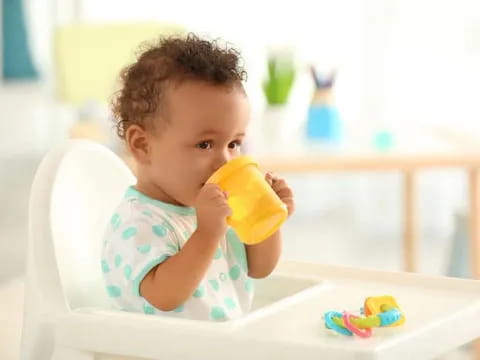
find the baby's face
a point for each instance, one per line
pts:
(205, 128)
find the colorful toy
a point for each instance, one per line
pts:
(257, 212)
(378, 311)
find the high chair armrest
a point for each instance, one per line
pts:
(150, 337)
(131, 334)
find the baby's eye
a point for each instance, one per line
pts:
(234, 144)
(204, 145)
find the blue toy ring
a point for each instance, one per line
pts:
(331, 325)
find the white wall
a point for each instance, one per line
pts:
(404, 64)
(401, 64)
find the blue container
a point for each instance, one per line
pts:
(323, 124)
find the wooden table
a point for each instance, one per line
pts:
(409, 166)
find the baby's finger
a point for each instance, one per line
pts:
(215, 189)
(279, 184)
(269, 178)
(285, 192)
(211, 189)
(228, 210)
(225, 209)
(290, 204)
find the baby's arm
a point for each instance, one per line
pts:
(263, 257)
(171, 283)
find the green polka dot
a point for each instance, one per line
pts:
(199, 292)
(249, 285)
(127, 271)
(105, 267)
(128, 233)
(238, 249)
(218, 254)
(118, 260)
(217, 313)
(114, 291)
(230, 303)
(186, 234)
(115, 221)
(234, 272)
(179, 309)
(159, 230)
(147, 213)
(214, 284)
(144, 249)
(147, 309)
(222, 276)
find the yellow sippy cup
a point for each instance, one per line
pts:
(257, 211)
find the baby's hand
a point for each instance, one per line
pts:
(212, 211)
(283, 191)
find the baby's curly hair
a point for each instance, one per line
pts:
(171, 60)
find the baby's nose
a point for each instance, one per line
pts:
(221, 160)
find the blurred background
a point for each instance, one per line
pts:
(325, 78)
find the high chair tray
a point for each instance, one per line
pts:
(286, 322)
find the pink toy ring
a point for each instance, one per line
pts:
(365, 333)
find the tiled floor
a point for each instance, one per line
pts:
(320, 235)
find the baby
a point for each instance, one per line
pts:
(183, 113)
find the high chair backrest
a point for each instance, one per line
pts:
(75, 191)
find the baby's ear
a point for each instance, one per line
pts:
(137, 143)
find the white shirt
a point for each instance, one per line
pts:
(143, 233)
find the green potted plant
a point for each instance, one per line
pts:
(280, 77)
(277, 88)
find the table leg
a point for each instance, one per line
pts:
(474, 225)
(410, 222)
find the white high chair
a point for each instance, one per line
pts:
(68, 317)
